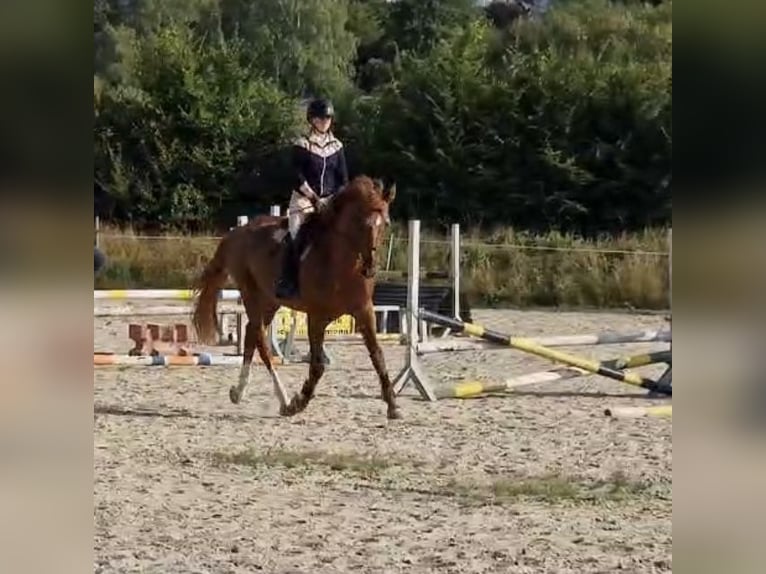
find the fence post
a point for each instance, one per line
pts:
(455, 260)
(241, 324)
(390, 251)
(273, 335)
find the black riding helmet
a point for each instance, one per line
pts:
(320, 108)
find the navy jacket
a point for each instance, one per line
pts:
(320, 161)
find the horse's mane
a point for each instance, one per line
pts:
(361, 190)
(361, 194)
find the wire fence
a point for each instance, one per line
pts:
(479, 246)
(514, 268)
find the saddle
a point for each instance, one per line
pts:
(292, 252)
(311, 228)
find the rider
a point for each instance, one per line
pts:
(319, 162)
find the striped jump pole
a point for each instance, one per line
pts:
(201, 360)
(159, 310)
(528, 346)
(662, 411)
(647, 336)
(468, 389)
(174, 294)
(639, 360)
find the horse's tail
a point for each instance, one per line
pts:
(208, 284)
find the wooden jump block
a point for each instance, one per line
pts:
(154, 330)
(153, 339)
(135, 332)
(167, 334)
(142, 339)
(182, 333)
(177, 333)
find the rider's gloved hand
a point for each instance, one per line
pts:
(308, 193)
(322, 203)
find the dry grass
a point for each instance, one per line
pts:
(498, 269)
(363, 466)
(550, 489)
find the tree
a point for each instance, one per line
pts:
(559, 119)
(417, 25)
(377, 55)
(174, 137)
(302, 45)
(570, 128)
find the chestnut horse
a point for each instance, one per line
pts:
(336, 278)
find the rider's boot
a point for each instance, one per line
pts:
(287, 285)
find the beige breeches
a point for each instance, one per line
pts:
(297, 211)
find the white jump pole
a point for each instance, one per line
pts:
(276, 348)
(667, 376)
(455, 261)
(412, 371)
(242, 220)
(158, 310)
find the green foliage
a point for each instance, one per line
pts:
(485, 117)
(173, 136)
(302, 45)
(115, 23)
(366, 19)
(418, 25)
(570, 127)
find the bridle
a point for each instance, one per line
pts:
(351, 237)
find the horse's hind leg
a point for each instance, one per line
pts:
(235, 393)
(316, 327)
(365, 320)
(255, 315)
(264, 351)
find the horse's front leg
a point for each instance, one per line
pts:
(316, 328)
(365, 320)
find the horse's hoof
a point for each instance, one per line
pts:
(234, 395)
(394, 414)
(295, 406)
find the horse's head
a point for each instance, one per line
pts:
(361, 209)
